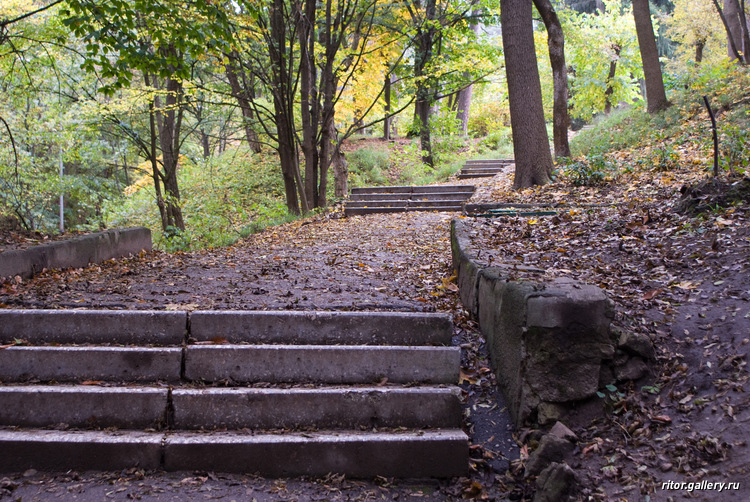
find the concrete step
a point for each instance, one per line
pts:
(464, 176)
(489, 161)
(89, 406)
(125, 389)
(403, 203)
(355, 211)
(260, 327)
(93, 326)
(322, 328)
(431, 453)
(458, 196)
(238, 363)
(322, 364)
(414, 189)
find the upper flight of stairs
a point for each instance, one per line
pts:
(392, 199)
(483, 168)
(275, 393)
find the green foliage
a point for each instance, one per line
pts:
(593, 42)
(735, 146)
(223, 199)
(592, 170)
(499, 140)
(487, 118)
(367, 166)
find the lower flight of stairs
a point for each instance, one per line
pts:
(274, 393)
(392, 199)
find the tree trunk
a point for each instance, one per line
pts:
(699, 46)
(387, 108)
(242, 92)
(556, 48)
(530, 141)
(463, 100)
(283, 103)
(738, 43)
(424, 94)
(309, 101)
(610, 77)
(656, 97)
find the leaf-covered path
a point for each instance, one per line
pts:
(670, 249)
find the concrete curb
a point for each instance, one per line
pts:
(547, 341)
(75, 253)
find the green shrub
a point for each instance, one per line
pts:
(367, 166)
(589, 171)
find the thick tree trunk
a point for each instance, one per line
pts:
(530, 141)
(656, 97)
(556, 48)
(738, 43)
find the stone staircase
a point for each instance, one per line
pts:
(280, 394)
(392, 199)
(483, 168)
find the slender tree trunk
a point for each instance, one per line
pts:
(530, 141)
(242, 92)
(309, 101)
(387, 108)
(463, 100)
(656, 97)
(699, 46)
(556, 48)
(424, 94)
(610, 79)
(283, 103)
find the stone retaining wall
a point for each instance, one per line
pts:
(549, 342)
(75, 253)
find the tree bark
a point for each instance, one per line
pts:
(242, 92)
(738, 43)
(656, 97)
(610, 77)
(530, 141)
(424, 95)
(283, 102)
(387, 108)
(463, 100)
(556, 48)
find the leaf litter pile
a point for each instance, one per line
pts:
(670, 248)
